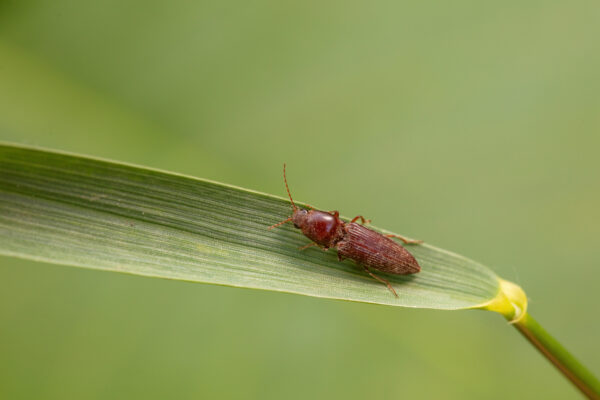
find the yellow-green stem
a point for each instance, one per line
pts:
(511, 302)
(579, 375)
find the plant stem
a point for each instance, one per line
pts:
(579, 375)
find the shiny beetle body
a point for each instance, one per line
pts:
(366, 247)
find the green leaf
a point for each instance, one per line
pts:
(85, 212)
(79, 211)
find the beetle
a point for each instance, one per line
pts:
(368, 248)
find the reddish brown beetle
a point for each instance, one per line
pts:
(368, 248)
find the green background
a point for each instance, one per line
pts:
(472, 125)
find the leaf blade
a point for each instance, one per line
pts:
(80, 211)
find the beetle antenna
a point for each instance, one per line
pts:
(288, 189)
(293, 204)
(280, 223)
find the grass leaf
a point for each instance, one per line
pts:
(85, 212)
(67, 209)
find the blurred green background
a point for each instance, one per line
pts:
(472, 125)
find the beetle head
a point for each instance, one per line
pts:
(299, 217)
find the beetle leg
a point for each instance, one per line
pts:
(335, 213)
(380, 280)
(405, 240)
(362, 219)
(311, 244)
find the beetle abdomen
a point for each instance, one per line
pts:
(374, 250)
